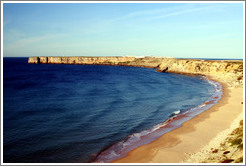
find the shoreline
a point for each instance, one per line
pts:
(166, 126)
(180, 144)
(184, 144)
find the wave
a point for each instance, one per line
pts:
(175, 120)
(175, 113)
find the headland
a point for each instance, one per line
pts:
(229, 71)
(213, 136)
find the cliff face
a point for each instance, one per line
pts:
(227, 71)
(79, 60)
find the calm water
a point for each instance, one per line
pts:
(70, 113)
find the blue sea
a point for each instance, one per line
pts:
(86, 113)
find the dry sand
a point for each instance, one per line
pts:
(185, 144)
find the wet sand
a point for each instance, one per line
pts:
(177, 145)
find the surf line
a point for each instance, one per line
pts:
(177, 118)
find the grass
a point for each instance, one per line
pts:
(239, 160)
(237, 136)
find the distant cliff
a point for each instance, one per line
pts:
(229, 71)
(79, 60)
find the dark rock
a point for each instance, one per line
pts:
(225, 152)
(165, 70)
(215, 151)
(38, 60)
(227, 160)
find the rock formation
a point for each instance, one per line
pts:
(79, 60)
(230, 71)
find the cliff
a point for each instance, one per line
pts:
(228, 71)
(79, 60)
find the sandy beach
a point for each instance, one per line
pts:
(198, 140)
(197, 137)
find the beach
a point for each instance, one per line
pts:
(197, 137)
(123, 82)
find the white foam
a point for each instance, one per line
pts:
(116, 150)
(176, 112)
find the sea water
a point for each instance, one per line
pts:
(89, 113)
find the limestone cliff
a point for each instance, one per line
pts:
(229, 71)
(79, 60)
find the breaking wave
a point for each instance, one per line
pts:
(135, 140)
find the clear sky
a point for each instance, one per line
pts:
(187, 30)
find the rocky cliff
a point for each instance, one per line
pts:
(229, 71)
(79, 60)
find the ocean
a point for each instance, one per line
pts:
(91, 113)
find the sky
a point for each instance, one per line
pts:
(183, 30)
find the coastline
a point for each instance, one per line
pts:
(193, 140)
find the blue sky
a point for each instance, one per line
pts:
(187, 30)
